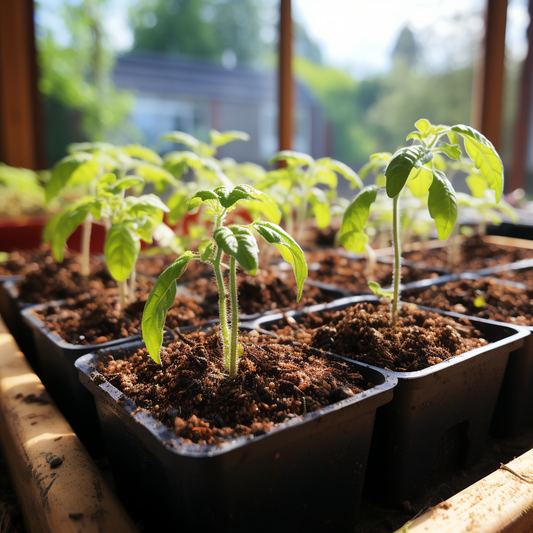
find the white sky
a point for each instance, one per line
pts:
(354, 34)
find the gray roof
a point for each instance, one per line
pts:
(161, 75)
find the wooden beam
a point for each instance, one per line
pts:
(285, 80)
(522, 123)
(20, 132)
(488, 102)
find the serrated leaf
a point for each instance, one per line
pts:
(343, 169)
(142, 152)
(484, 156)
(159, 302)
(422, 125)
(442, 204)
(121, 250)
(127, 182)
(62, 173)
(292, 158)
(67, 223)
(451, 150)
(205, 249)
(356, 216)
(414, 135)
(400, 166)
(221, 138)
(288, 248)
(196, 200)
(229, 197)
(239, 242)
(320, 205)
(261, 202)
(420, 181)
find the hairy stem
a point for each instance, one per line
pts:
(455, 245)
(397, 274)
(301, 214)
(234, 318)
(133, 276)
(86, 246)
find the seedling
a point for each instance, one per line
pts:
(128, 221)
(298, 182)
(21, 192)
(239, 243)
(414, 166)
(88, 162)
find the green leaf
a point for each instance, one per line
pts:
(205, 248)
(477, 185)
(442, 204)
(287, 246)
(68, 222)
(414, 135)
(354, 241)
(239, 242)
(422, 125)
(159, 302)
(154, 174)
(196, 200)
(320, 204)
(479, 302)
(229, 197)
(137, 204)
(343, 169)
(377, 162)
(121, 250)
(219, 139)
(420, 181)
(142, 227)
(484, 156)
(62, 173)
(292, 158)
(378, 291)
(177, 204)
(259, 201)
(400, 166)
(142, 152)
(357, 214)
(451, 150)
(50, 228)
(181, 137)
(127, 182)
(189, 158)
(106, 180)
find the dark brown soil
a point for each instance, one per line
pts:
(524, 276)
(95, 318)
(328, 266)
(475, 254)
(266, 291)
(362, 332)
(502, 303)
(192, 394)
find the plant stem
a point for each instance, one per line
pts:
(455, 245)
(301, 214)
(122, 291)
(397, 274)
(222, 297)
(234, 318)
(86, 246)
(371, 261)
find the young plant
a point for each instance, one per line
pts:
(21, 192)
(414, 164)
(88, 162)
(128, 220)
(239, 243)
(299, 181)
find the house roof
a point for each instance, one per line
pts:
(169, 76)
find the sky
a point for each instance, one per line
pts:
(357, 35)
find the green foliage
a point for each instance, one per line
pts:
(375, 287)
(21, 192)
(236, 241)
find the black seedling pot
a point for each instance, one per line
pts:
(56, 359)
(304, 475)
(516, 231)
(514, 408)
(439, 417)
(11, 308)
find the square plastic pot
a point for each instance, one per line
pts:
(514, 408)
(55, 358)
(11, 308)
(305, 474)
(439, 417)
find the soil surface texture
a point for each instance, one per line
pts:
(474, 254)
(192, 394)
(95, 317)
(524, 276)
(484, 298)
(420, 339)
(266, 291)
(331, 268)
